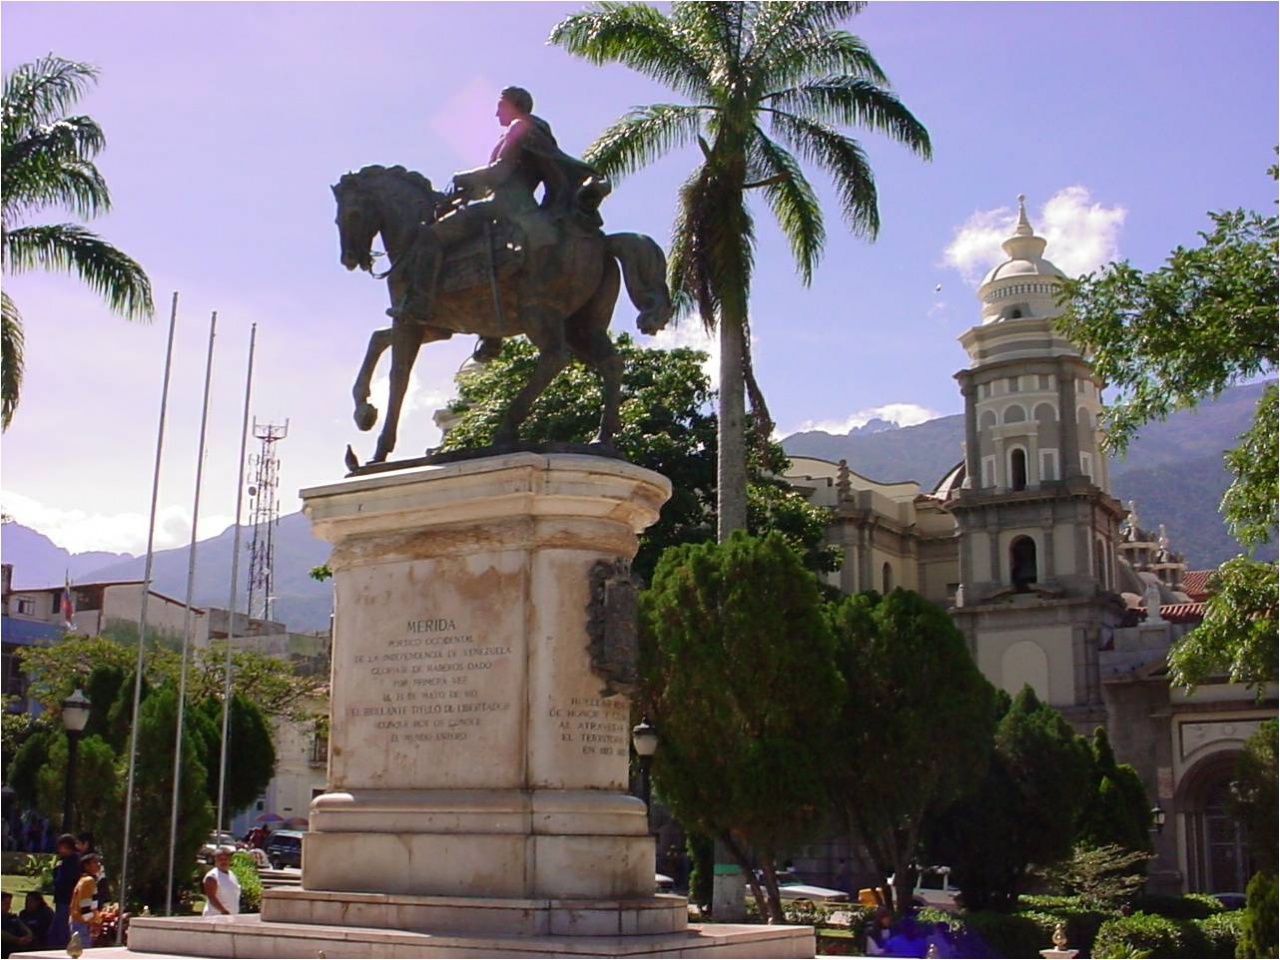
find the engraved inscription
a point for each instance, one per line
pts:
(595, 726)
(428, 684)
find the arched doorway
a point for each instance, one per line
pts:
(1217, 851)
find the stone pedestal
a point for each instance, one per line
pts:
(478, 762)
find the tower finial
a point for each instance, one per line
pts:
(1024, 225)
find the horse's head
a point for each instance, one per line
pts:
(392, 200)
(358, 218)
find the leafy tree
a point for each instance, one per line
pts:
(54, 671)
(96, 795)
(742, 64)
(48, 161)
(1104, 877)
(251, 756)
(1255, 799)
(667, 426)
(1025, 811)
(739, 678)
(893, 758)
(1117, 811)
(1260, 936)
(152, 803)
(1168, 339)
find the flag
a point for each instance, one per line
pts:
(68, 605)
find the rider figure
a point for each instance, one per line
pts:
(525, 156)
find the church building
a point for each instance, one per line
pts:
(1049, 577)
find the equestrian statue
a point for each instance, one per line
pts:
(489, 258)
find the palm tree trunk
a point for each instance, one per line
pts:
(731, 465)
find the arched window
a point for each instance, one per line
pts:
(1046, 413)
(1022, 563)
(988, 419)
(886, 578)
(1014, 414)
(1018, 469)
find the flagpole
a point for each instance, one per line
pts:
(186, 623)
(235, 573)
(142, 621)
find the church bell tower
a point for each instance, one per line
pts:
(1038, 527)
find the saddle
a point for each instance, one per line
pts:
(467, 265)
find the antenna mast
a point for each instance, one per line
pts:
(264, 512)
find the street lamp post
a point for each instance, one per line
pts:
(75, 714)
(1158, 818)
(645, 739)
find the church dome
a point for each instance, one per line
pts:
(1024, 284)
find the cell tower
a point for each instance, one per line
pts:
(264, 513)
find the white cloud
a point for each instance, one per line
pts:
(79, 532)
(693, 335)
(1082, 235)
(903, 414)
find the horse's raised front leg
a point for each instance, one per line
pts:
(553, 355)
(405, 338)
(366, 414)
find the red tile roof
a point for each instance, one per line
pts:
(1195, 583)
(1182, 612)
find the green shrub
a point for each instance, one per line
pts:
(1155, 935)
(1011, 934)
(1192, 906)
(1221, 933)
(246, 872)
(1260, 931)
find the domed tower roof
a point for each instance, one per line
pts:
(1024, 285)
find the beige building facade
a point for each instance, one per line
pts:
(1053, 582)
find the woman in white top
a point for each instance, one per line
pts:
(221, 888)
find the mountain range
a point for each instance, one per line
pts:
(1173, 471)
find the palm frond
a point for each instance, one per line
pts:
(642, 136)
(844, 160)
(638, 36)
(781, 22)
(37, 92)
(41, 181)
(812, 55)
(11, 344)
(72, 248)
(688, 274)
(714, 31)
(794, 204)
(852, 101)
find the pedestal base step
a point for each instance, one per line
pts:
(251, 936)
(661, 913)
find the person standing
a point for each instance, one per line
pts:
(221, 887)
(84, 899)
(66, 874)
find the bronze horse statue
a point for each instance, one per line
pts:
(560, 295)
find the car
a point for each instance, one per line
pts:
(805, 891)
(284, 848)
(933, 889)
(1230, 901)
(219, 838)
(663, 883)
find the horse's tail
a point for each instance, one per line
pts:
(644, 268)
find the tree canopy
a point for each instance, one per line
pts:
(893, 757)
(1169, 338)
(738, 678)
(667, 426)
(47, 156)
(770, 86)
(1025, 812)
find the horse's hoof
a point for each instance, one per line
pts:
(366, 416)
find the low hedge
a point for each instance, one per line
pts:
(1150, 935)
(1221, 933)
(1191, 906)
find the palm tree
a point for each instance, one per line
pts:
(742, 66)
(48, 161)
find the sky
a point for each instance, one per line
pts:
(226, 123)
